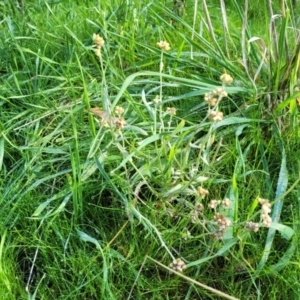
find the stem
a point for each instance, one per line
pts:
(160, 91)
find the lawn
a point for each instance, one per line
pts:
(149, 149)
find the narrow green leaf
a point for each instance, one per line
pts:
(40, 208)
(286, 102)
(227, 246)
(143, 144)
(223, 250)
(1, 151)
(200, 261)
(286, 257)
(179, 127)
(87, 238)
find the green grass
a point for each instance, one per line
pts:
(96, 212)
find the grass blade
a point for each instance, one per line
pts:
(276, 211)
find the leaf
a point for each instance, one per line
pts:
(137, 129)
(179, 127)
(235, 121)
(200, 261)
(87, 238)
(223, 250)
(286, 231)
(143, 144)
(148, 107)
(40, 208)
(227, 246)
(1, 151)
(286, 257)
(276, 211)
(286, 102)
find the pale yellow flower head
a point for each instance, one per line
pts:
(226, 203)
(163, 45)
(216, 116)
(97, 51)
(202, 192)
(98, 40)
(119, 110)
(156, 100)
(226, 78)
(214, 204)
(171, 111)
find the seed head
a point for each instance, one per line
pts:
(202, 192)
(156, 100)
(214, 204)
(119, 110)
(98, 40)
(252, 226)
(178, 265)
(216, 116)
(226, 78)
(226, 203)
(163, 45)
(171, 111)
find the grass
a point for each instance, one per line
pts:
(93, 208)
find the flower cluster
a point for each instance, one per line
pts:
(156, 100)
(178, 265)
(119, 122)
(106, 120)
(252, 226)
(99, 42)
(214, 204)
(215, 96)
(265, 219)
(226, 78)
(186, 234)
(226, 203)
(196, 211)
(202, 192)
(119, 111)
(216, 116)
(171, 111)
(223, 223)
(265, 210)
(163, 45)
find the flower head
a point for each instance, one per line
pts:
(223, 223)
(202, 192)
(226, 78)
(98, 40)
(119, 123)
(156, 100)
(171, 111)
(163, 45)
(210, 98)
(252, 226)
(97, 51)
(226, 203)
(216, 116)
(178, 265)
(214, 204)
(265, 210)
(119, 110)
